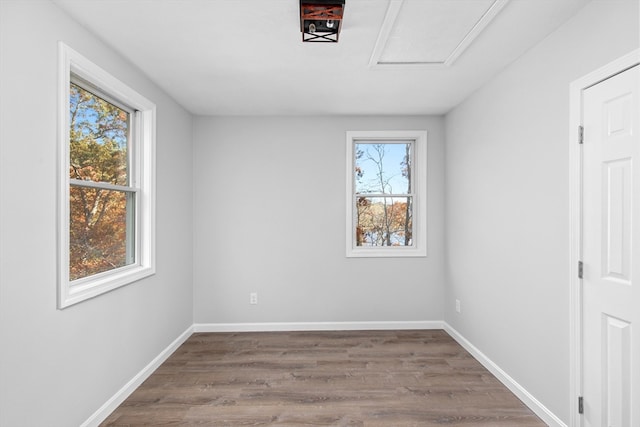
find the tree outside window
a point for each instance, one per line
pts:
(99, 217)
(386, 193)
(382, 174)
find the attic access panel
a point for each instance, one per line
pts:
(321, 20)
(431, 33)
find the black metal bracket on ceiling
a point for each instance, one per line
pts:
(321, 20)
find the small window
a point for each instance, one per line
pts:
(386, 194)
(106, 226)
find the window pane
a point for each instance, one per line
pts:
(384, 221)
(383, 168)
(101, 230)
(98, 139)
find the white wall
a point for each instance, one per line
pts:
(507, 201)
(58, 367)
(270, 217)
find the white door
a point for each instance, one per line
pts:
(611, 252)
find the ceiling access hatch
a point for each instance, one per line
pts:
(430, 33)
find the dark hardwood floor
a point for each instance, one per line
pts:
(365, 378)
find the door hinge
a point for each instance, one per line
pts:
(580, 134)
(580, 405)
(580, 269)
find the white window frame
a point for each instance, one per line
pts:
(142, 180)
(419, 188)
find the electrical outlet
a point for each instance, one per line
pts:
(253, 298)
(458, 305)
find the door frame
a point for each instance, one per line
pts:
(577, 89)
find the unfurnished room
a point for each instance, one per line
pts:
(320, 213)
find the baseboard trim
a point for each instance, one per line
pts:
(316, 326)
(527, 398)
(110, 405)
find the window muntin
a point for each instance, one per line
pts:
(386, 194)
(106, 210)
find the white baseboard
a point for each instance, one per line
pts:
(115, 401)
(316, 326)
(527, 398)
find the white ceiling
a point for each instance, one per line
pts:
(246, 57)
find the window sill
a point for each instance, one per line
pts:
(388, 252)
(90, 287)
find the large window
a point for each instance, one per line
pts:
(106, 213)
(386, 194)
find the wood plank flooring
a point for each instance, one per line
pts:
(363, 378)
